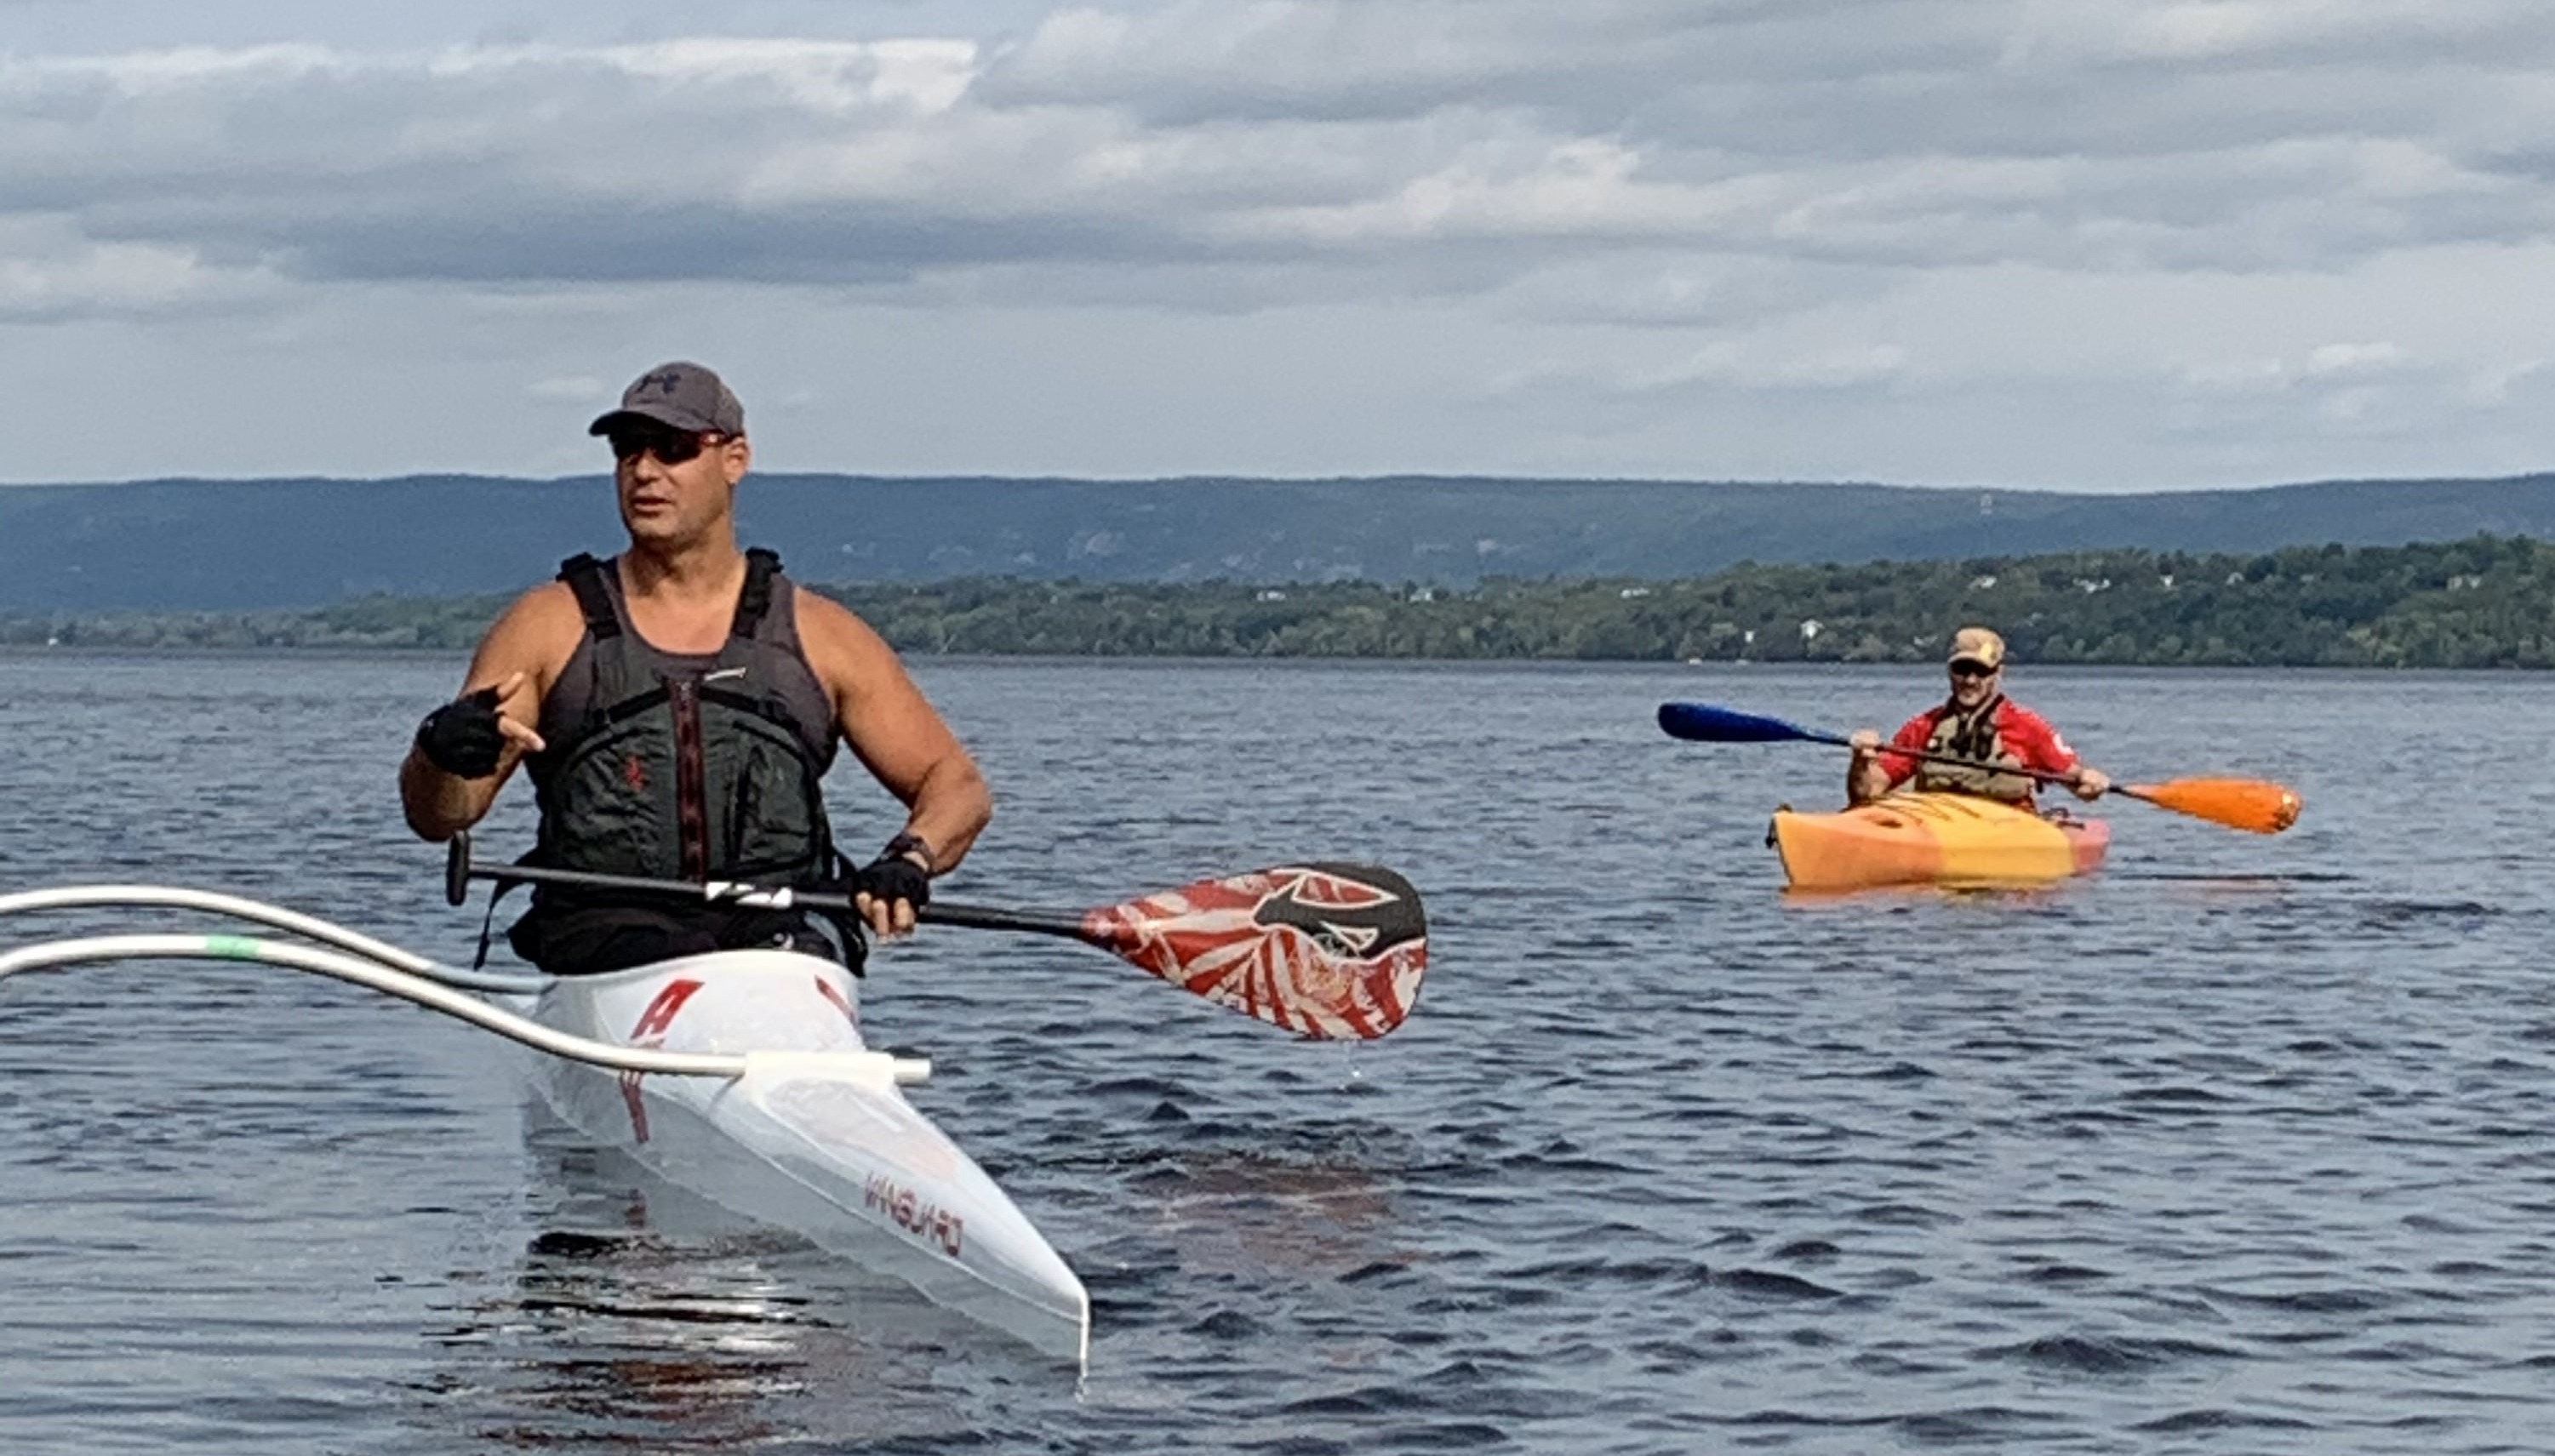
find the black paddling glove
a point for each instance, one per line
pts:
(893, 877)
(462, 737)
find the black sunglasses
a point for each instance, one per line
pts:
(670, 446)
(1972, 670)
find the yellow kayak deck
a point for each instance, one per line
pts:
(1934, 839)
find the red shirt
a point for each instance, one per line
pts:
(2024, 733)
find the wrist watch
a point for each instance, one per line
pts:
(912, 846)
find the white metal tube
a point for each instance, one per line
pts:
(74, 896)
(877, 1067)
(432, 995)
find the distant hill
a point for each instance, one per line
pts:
(217, 545)
(2473, 603)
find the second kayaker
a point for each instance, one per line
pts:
(1978, 723)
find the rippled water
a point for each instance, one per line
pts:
(2243, 1145)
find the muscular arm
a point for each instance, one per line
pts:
(522, 655)
(894, 731)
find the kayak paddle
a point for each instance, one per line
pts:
(2256, 806)
(1319, 948)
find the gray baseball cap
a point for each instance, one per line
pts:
(684, 395)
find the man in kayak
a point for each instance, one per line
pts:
(1978, 723)
(677, 706)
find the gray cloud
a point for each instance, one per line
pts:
(1620, 205)
(1909, 134)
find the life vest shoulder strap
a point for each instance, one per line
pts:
(584, 576)
(762, 565)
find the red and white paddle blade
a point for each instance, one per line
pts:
(1321, 949)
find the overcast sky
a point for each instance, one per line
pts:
(2082, 244)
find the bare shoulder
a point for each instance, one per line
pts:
(823, 620)
(549, 611)
(536, 634)
(844, 649)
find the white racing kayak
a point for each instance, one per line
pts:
(739, 1076)
(815, 1138)
(742, 1077)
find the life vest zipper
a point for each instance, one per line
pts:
(692, 795)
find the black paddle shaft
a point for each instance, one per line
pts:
(1704, 723)
(2043, 775)
(458, 872)
(1955, 760)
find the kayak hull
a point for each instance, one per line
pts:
(1934, 839)
(814, 1140)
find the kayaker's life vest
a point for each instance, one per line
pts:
(678, 765)
(1973, 736)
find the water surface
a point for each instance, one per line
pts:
(2240, 1147)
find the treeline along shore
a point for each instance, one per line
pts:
(2481, 602)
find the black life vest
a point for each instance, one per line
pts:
(674, 766)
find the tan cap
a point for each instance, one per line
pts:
(1978, 644)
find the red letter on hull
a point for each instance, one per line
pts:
(651, 1032)
(907, 1210)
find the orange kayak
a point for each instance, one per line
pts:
(1934, 839)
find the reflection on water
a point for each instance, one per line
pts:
(612, 1341)
(639, 1316)
(1952, 891)
(1239, 1211)
(2266, 881)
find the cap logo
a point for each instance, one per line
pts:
(665, 383)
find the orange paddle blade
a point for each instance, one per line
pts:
(2255, 805)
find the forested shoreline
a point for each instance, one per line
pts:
(2481, 602)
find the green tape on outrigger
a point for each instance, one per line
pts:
(232, 947)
